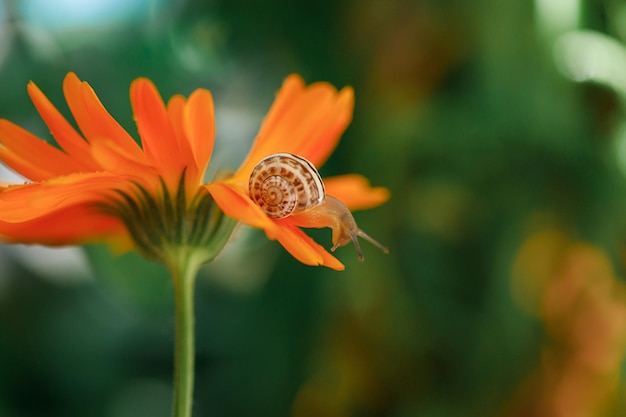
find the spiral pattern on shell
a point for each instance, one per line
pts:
(283, 184)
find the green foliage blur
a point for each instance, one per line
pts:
(500, 134)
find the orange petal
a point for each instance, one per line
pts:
(176, 111)
(355, 192)
(298, 244)
(321, 139)
(307, 121)
(49, 160)
(74, 225)
(113, 159)
(93, 119)
(62, 131)
(155, 129)
(303, 248)
(238, 206)
(199, 125)
(292, 87)
(24, 166)
(29, 201)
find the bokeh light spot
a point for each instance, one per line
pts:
(69, 14)
(591, 56)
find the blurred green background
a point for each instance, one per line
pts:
(499, 127)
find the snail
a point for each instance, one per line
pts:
(285, 184)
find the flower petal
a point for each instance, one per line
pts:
(113, 159)
(307, 121)
(76, 224)
(23, 166)
(155, 129)
(303, 248)
(176, 111)
(62, 131)
(238, 206)
(355, 192)
(199, 125)
(93, 119)
(29, 201)
(325, 130)
(46, 161)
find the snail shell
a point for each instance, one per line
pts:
(283, 184)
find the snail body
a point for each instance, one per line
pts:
(285, 184)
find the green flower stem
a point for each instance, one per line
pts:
(184, 271)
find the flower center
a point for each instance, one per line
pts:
(164, 223)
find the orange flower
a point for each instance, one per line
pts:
(308, 122)
(101, 185)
